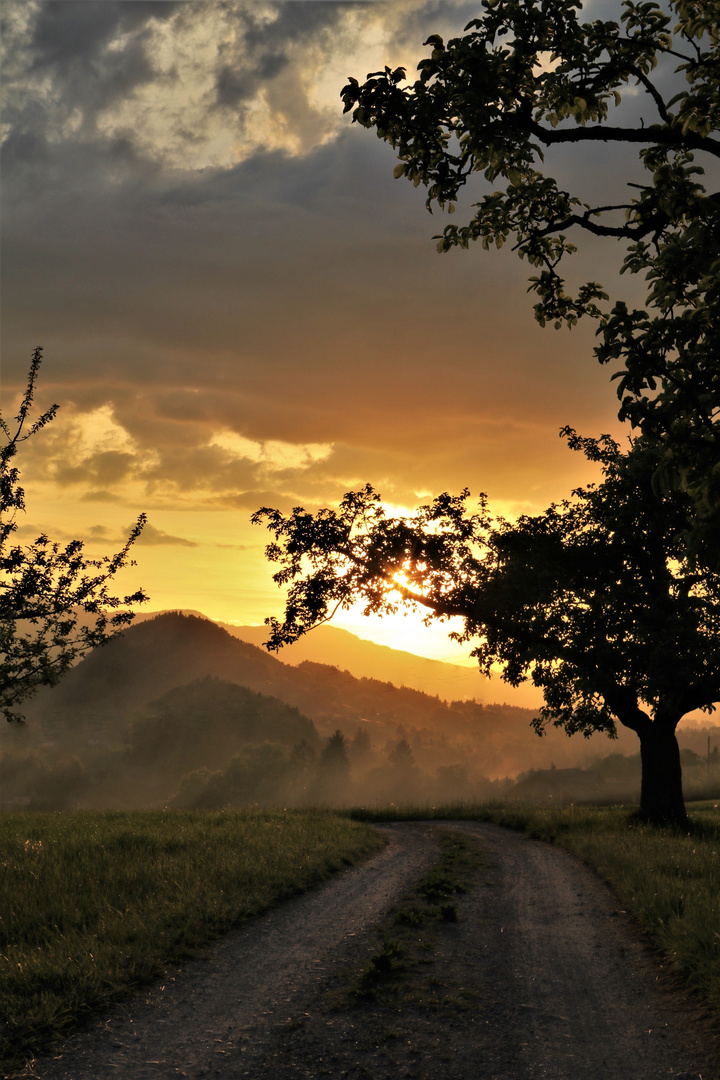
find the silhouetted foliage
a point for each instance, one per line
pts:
(528, 76)
(334, 756)
(595, 601)
(401, 756)
(54, 602)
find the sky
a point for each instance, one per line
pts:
(240, 307)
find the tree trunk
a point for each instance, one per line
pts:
(661, 796)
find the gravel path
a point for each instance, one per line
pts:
(541, 977)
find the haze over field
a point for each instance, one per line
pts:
(240, 306)
(180, 712)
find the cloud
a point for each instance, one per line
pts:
(98, 532)
(273, 455)
(239, 305)
(100, 495)
(184, 85)
(69, 62)
(152, 536)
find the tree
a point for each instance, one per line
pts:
(595, 601)
(334, 758)
(401, 756)
(55, 603)
(528, 76)
(332, 777)
(360, 749)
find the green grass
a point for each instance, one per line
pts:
(669, 881)
(93, 904)
(408, 930)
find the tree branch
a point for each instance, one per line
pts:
(651, 135)
(652, 91)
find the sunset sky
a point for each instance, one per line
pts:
(240, 306)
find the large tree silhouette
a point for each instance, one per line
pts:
(595, 601)
(609, 601)
(55, 603)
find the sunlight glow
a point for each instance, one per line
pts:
(274, 454)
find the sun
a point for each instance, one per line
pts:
(407, 632)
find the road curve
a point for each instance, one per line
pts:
(213, 1009)
(550, 980)
(562, 971)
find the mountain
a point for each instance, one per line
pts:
(110, 690)
(365, 659)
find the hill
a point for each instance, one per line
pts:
(178, 711)
(106, 692)
(204, 723)
(365, 659)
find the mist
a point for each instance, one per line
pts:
(179, 713)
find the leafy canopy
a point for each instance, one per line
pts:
(595, 600)
(528, 76)
(55, 603)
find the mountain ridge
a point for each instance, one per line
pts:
(341, 648)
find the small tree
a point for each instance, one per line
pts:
(332, 777)
(595, 601)
(401, 757)
(334, 758)
(360, 750)
(55, 603)
(528, 76)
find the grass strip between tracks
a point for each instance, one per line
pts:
(94, 904)
(669, 881)
(408, 930)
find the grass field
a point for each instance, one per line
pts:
(668, 881)
(93, 904)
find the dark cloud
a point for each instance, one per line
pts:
(290, 297)
(297, 20)
(80, 58)
(76, 30)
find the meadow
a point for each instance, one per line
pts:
(94, 904)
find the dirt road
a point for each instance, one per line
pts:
(541, 977)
